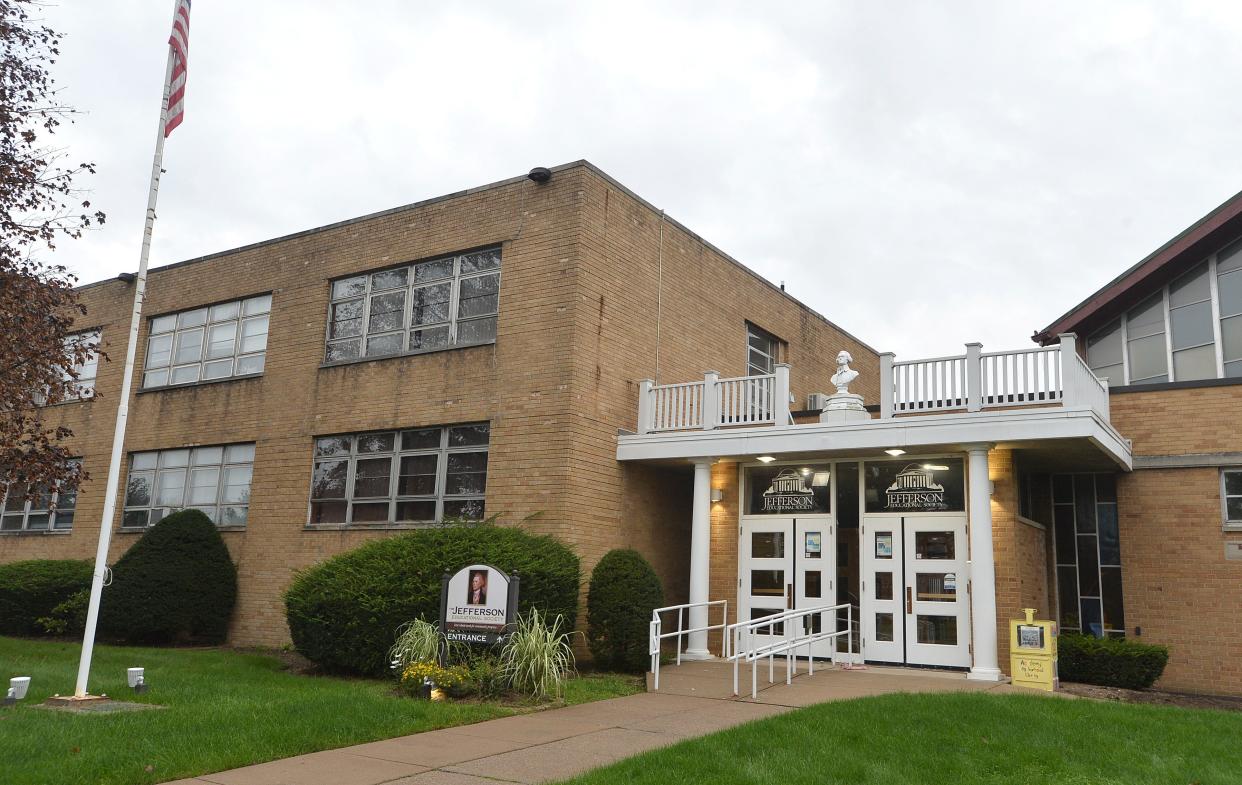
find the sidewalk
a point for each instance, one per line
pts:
(694, 700)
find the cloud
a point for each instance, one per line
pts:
(924, 174)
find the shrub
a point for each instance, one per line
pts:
(31, 590)
(624, 590)
(69, 617)
(1110, 662)
(175, 585)
(343, 614)
(537, 658)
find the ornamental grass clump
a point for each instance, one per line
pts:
(537, 658)
(417, 641)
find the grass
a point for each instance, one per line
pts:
(955, 738)
(224, 709)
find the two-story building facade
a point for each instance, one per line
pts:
(557, 352)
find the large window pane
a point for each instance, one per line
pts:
(1104, 353)
(429, 464)
(1229, 288)
(208, 344)
(1231, 338)
(1198, 363)
(422, 307)
(1193, 287)
(1148, 360)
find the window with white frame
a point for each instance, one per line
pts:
(1231, 497)
(761, 351)
(215, 480)
(48, 509)
(416, 475)
(419, 307)
(1189, 330)
(79, 378)
(209, 343)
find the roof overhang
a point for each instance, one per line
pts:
(1192, 245)
(1025, 429)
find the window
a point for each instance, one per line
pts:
(205, 344)
(1104, 354)
(417, 308)
(215, 480)
(1229, 295)
(413, 475)
(1088, 554)
(83, 387)
(1190, 316)
(762, 349)
(1145, 342)
(1231, 497)
(47, 510)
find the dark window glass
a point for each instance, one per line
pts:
(1092, 623)
(1111, 598)
(1067, 597)
(884, 627)
(847, 495)
(759, 613)
(767, 545)
(770, 583)
(812, 584)
(930, 485)
(937, 630)
(469, 435)
(884, 586)
(468, 509)
(1088, 566)
(1110, 538)
(934, 545)
(1067, 547)
(1084, 503)
(1105, 488)
(422, 439)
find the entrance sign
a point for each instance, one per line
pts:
(929, 485)
(782, 490)
(477, 604)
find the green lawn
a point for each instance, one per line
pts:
(960, 739)
(224, 709)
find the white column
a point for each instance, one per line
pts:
(700, 557)
(982, 567)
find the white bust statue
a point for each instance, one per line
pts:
(845, 374)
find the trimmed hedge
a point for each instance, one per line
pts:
(343, 614)
(31, 590)
(1110, 662)
(624, 590)
(177, 584)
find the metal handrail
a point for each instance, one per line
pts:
(788, 644)
(657, 635)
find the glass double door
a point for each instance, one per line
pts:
(787, 563)
(914, 601)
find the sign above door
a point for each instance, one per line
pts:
(781, 490)
(927, 485)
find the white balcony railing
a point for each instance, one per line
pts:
(970, 382)
(980, 380)
(714, 402)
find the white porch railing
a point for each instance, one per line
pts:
(799, 633)
(657, 636)
(714, 402)
(977, 380)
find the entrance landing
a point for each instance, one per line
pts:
(714, 679)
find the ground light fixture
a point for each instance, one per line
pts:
(137, 679)
(765, 459)
(18, 685)
(895, 452)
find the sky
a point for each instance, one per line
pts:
(923, 174)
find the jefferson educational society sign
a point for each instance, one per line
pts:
(477, 603)
(934, 485)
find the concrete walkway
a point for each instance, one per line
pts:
(694, 700)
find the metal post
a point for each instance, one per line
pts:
(122, 410)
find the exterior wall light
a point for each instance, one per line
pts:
(17, 689)
(137, 680)
(765, 459)
(717, 495)
(895, 452)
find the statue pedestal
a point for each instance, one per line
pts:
(844, 408)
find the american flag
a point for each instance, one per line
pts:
(179, 40)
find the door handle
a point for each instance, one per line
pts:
(909, 601)
(789, 596)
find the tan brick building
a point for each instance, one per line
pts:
(558, 353)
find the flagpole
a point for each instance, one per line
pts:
(122, 409)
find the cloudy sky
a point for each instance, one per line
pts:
(925, 174)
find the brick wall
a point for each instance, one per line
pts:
(594, 283)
